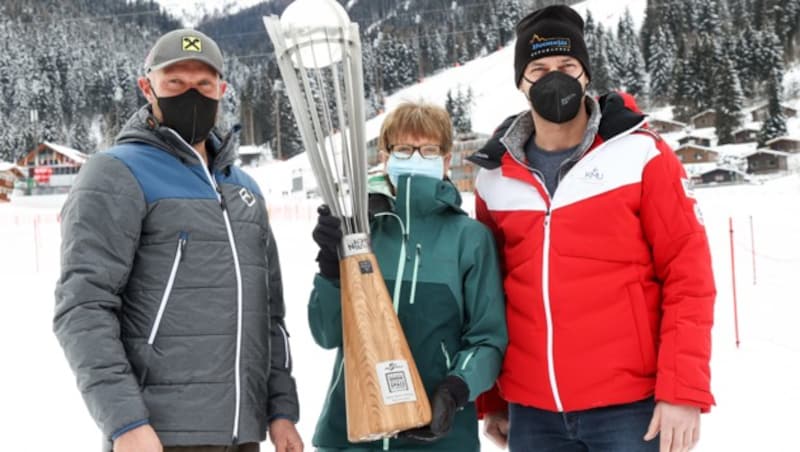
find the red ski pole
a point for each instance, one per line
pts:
(733, 280)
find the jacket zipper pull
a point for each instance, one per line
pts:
(184, 237)
(221, 198)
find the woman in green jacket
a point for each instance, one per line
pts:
(441, 268)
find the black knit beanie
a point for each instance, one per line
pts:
(554, 30)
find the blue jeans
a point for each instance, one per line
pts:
(618, 428)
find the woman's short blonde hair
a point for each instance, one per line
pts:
(420, 120)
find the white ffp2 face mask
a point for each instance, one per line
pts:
(414, 166)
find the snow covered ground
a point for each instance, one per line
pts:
(755, 385)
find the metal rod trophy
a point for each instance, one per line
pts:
(318, 51)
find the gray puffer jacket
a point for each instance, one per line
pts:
(169, 306)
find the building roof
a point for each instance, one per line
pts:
(5, 166)
(697, 146)
(766, 104)
(737, 150)
(696, 169)
(666, 121)
(766, 151)
(746, 128)
(252, 150)
(704, 112)
(725, 168)
(72, 154)
(783, 138)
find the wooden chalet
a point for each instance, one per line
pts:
(692, 153)
(721, 176)
(706, 118)
(766, 161)
(761, 113)
(695, 139)
(10, 174)
(785, 144)
(745, 135)
(60, 163)
(665, 125)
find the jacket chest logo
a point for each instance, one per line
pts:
(247, 197)
(593, 175)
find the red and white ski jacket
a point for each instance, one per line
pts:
(609, 284)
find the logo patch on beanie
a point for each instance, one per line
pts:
(540, 45)
(191, 44)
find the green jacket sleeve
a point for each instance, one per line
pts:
(325, 313)
(283, 402)
(100, 228)
(485, 337)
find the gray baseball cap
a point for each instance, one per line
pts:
(181, 45)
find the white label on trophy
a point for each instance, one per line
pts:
(353, 244)
(395, 381)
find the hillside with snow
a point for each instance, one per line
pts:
(752, 228)
(490, 79)
(191, 12)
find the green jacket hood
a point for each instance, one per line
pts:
(416, 195)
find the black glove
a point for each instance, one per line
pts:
(450, 396)
(328, 234)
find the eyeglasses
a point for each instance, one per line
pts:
(574, 70)
(405, 151)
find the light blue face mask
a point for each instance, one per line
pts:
(416, 165)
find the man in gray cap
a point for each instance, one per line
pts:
(169, 305)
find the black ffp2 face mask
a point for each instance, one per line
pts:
(556, 97)
(191, 114)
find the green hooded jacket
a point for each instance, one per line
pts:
(449, 302)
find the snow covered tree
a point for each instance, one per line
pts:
(728, 102)
(290, 143)
(450, 103)
(662, 58)
(709, 18)
(653, 20)
(508, 13)
(740, 13)
(459, 106)
(602, 70)
(683, 100)
(744, 58)
(629, 62)
(775, 125)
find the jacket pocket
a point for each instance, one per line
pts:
(644, 334)
(447, 360)
(183, 237)
(287, 354)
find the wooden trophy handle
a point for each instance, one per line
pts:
(383, 390)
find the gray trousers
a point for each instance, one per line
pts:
(249, 447)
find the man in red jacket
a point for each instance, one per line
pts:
(606, 264)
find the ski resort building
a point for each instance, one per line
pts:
(704, 119)
(721, 176)
(761, 113)
(766, 161)
(785, 144)
(745, 135)
(52, 167)
(10, 174)
(665, 125)
(694, 153)
(695, 138)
